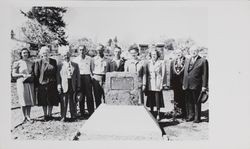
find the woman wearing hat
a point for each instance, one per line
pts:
(23, 70)
(155, 70)
(46, 86)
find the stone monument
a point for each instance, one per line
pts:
(122, 88)
(122, 116)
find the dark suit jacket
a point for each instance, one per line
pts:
(197, 77)
(63, 80)
(44, 72)
(114, 67)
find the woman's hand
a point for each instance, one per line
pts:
(26, 75)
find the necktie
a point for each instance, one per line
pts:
(191, 64)
(69, 69)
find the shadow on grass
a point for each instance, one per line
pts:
(166, 124)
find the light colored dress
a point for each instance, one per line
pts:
(25, 91)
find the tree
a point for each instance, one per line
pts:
(170, 44)
(115, 40)
(90, 45)
(52, 17)
(110, 42)
(34, 33)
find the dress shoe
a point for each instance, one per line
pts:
(49, 118)
(24, 121)
(63, 119)
(46, 118)
(158, 117)
(29, 120)
(197, 121)
(189, 119)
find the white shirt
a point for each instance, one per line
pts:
(68, 68)
(100, 65)
(193, 59)
(117, 61)
(84, 64)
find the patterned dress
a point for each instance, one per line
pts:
(25, 91)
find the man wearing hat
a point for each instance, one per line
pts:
(195, 81)
(68, 83)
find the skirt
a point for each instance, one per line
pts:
(47, 94)
(26, 94)
(152, 99)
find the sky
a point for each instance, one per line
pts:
(138, 24)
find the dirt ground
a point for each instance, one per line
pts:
(55, 130)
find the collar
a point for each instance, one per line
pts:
(195, 58)
(113, 60)
(65, 62)
(98, 57)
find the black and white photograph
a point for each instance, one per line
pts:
(101, 73)
(163, 73)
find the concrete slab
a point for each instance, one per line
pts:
(121, 121)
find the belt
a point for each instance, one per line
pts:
(100, 74)
(85, 74)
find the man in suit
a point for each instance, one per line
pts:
(68, 82)
(195, 81)
(117, 63)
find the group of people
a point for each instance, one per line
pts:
(47, 82)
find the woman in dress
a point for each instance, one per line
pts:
(155, 70)
(46, 85)
(23, 70)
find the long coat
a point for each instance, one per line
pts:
(45, 82)
(63, 80)
(196, 77)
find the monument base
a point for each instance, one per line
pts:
(120, 122)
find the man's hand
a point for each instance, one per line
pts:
(59, 88)
(204, 89)
(143, 87)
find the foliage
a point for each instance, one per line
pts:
(52, 17)
(35, 33)
(90, 45)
